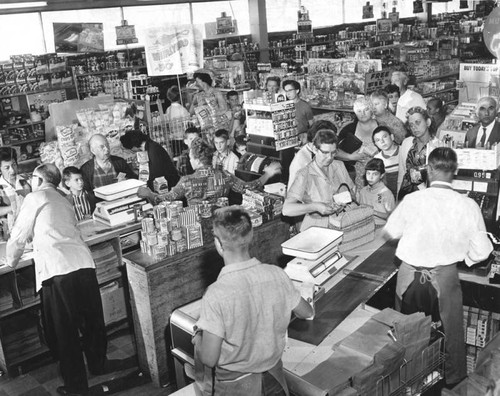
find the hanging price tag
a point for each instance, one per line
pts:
(367, 11)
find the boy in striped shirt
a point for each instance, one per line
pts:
(78, 197)
(389, 151)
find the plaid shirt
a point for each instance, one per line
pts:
(104, 177)
(207, 184)
(183, 164)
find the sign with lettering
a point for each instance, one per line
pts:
(477, 78)
(377, 80)
(125, 34)
(172, 50)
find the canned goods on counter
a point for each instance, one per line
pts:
(148, 225)
(164, 226)
(163, 238)
(176, 234)
(152, 238)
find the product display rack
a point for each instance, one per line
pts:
(271, 128)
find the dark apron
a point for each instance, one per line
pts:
(446, 284)
(232, 383)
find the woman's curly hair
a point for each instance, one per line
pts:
(202, 151)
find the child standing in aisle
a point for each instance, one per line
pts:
(389, 152)
(376, 194)
(78, 197)
(175, 111)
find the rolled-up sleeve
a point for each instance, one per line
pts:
(480, 246)
(396, 221)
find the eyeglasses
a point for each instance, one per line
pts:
(331, 153)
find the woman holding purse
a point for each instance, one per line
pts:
(312, 191)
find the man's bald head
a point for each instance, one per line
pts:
(99, 146)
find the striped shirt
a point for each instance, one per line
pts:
(391, 164)
(81, 205)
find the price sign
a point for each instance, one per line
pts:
(377, 80)
(125, 34)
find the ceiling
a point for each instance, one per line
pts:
(59, 5)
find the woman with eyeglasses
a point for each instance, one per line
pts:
(413, 153)
(311, 194)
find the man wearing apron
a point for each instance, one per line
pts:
(437, 228)
(244, 316)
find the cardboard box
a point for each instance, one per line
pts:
(113, 303)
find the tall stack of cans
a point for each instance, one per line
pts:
(170, 230)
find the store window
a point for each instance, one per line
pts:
(143, 17)
(27, 30)
(210, 11)
(109, 17)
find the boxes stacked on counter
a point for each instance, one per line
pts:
(262, 206)
(172, 229)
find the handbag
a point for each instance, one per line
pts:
(356, 221)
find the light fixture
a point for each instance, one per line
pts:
(30, 4)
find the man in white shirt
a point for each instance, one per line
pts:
(487, 131)
(65, 278)
(408, 98)
(437, 228)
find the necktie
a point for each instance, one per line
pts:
(483, 138)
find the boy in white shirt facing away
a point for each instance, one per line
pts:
(389, 151)
(376, 194)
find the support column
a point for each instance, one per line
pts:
(258, 27)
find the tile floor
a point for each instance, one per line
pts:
(43, 381)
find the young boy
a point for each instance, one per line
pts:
(389, 150)
(393, 93)
(183, 165)
(78, 197)
(224, 158)
(376, 194)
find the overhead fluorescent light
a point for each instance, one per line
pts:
(30, 4)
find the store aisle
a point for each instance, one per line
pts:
(44, 380)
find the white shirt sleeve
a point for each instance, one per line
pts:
(480, 246)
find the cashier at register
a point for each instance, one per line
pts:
(437, 228)
(314, 186)
(207, 183)
(244, 315)
(104, 168)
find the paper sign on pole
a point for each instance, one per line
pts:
(172, 50)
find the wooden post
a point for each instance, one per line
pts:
(258, 27)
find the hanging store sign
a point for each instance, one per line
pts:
(125, 34)
(172, 50)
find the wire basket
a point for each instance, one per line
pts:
(415, 376)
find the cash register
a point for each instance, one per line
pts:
(120, 200)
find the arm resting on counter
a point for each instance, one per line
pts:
(304, 310)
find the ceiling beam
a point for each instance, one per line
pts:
(65, 5)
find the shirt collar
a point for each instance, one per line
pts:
(17, 183)
(227, 269)
(441, 184)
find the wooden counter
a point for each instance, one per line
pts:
(159, 287)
